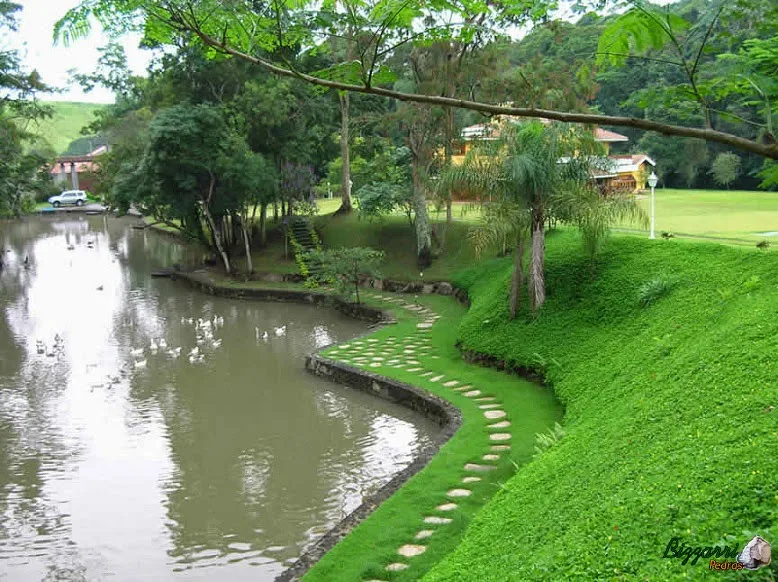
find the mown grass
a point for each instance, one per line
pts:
(671, 412)
(66, 123)
(531, 409)
(715, 213)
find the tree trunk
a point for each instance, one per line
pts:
(217, 239)
(517, 281)
(345, 154)
(537, 283)
(263, 225)
(247, 244)
(423, 236)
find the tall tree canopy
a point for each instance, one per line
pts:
(272, 35)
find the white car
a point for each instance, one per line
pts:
(77, 197)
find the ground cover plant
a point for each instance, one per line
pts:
(670, 412)
(530, 409)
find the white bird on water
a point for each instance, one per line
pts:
(195, 350)
(137, 353)
(162, 344)
(217, 343)
(140, 364)
(265, 336)
(280, 331)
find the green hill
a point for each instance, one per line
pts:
(663, 353)
(66, 123)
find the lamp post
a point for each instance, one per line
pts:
(652, 180)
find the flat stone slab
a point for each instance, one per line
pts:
(375, 364)
(492, 414)
(500, 436)
(500, 448)
(427, 374)
(413, 369)
(435, 520)
(411, 550)
(471, 479)
(472, 393)
(424, 534)
(409, 351)
(503, 424)
(436, 379)
(488, 406)
(424, 325)
(491, 457)
(413, 362)
(465, 387)
(372, 341)
(459, 493)
(451, 383)
(447, 507)
(377, 358)
(396, 567)
(479, 468)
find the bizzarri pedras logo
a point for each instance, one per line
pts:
(756, 554)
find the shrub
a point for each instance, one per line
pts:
(653, 290)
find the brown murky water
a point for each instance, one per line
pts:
(121, 459)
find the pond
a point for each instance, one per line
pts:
(150, 432)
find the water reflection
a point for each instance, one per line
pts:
(120, 458)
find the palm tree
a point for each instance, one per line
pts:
(535, 172)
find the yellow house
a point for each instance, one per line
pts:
(626, 172)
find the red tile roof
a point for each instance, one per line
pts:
(609, 136)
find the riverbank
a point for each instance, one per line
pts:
(501, 414)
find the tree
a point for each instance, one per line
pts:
(250, 32)
(22, 159)
(725, 169)
(535, 173)
(345, 267)
(180, 175)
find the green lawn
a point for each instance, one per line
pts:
(66, 123)
(716, 213)
(670, 421)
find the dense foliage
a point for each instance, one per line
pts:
(22, 160)
(670, 399)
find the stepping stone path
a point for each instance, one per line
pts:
(411, 550)
(479, 468)
(493, 414)
(398, 353)
(435, 520)
(459, 493)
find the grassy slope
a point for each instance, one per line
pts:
(392, 235)
(66, 123)
(670, 423)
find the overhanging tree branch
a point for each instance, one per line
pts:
(707, 134)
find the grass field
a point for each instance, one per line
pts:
(716, 213)
(66, 123)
